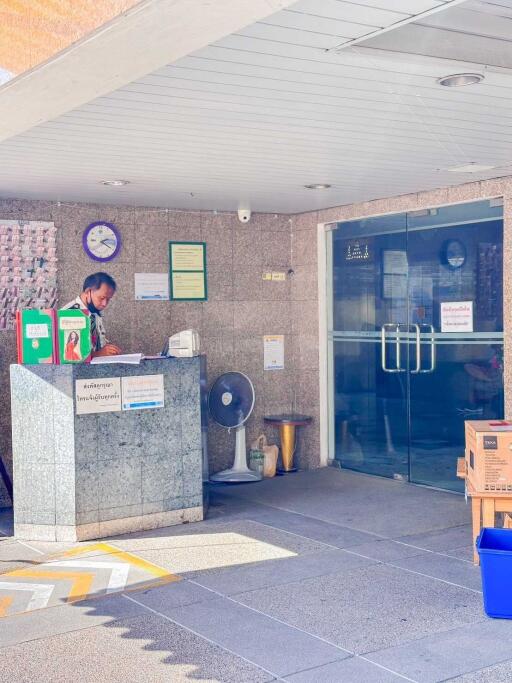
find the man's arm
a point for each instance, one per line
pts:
(107, 350)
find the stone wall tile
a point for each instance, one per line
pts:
(184, 233)
(148, 216)
(305, 283)
(121, 512)
(464, 193)
(248, 355)
(496, 187)
(260, 318)
(276, 247)
(305, 221)
(433, 198)
(161, 479)
(186, 315)
(219, 246)
(218, 317)
(151, 242)
(273, 222)
(275, 290)
(119, 437)
(248, 247)
(218, 219)
(186, 220)
(248, 284)
(119, 482)
(220, 283)
(304, 248)
(221, 356)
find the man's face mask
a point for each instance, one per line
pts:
(92, 308)
(98, 299)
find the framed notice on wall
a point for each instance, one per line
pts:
(187, 276)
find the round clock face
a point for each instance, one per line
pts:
(101, 241)
(455, 253)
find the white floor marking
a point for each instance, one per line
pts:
(42, 592)
(30, 547)
(119, 575)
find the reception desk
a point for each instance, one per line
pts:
(101, 466)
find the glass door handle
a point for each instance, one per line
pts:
(383, 329)
(432, 349)
(417, 343)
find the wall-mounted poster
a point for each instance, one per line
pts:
(28, 268)
(273, 352)
(187, 277)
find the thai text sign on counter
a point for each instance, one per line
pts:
(98, 395)
(111, 394)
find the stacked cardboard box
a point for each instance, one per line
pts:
(489, 457)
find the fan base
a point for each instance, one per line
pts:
(234, 476)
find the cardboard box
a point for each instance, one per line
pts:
(489, 456)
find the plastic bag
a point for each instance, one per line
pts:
(269, 453)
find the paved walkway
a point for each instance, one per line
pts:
(315, 577)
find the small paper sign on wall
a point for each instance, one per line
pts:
(273, 352)
(457, 316)
(151, 287)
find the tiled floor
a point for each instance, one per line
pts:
(318, 577)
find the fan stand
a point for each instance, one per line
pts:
(239, 473)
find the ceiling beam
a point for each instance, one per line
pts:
(144, 38)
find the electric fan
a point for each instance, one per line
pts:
(230, 402)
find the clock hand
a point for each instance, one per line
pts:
(107, 243)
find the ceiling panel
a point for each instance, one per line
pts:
(259, 114)
(359, 13)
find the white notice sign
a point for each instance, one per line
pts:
(37, 331)
(143, 391)
(457, 316)
(98, 395)
(152, 286)
(273, 352)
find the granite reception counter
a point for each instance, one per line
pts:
(96, 454)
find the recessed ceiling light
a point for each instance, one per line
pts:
(317, 186)
(472, 167)
(115, 183)
(456, 80)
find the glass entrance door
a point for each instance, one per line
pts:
(416, 338)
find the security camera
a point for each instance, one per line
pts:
(244, 215)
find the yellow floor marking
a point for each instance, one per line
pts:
(82, 581)
(121, 555)
(4, 604)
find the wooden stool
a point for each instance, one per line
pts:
(484, 507)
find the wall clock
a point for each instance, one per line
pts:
(101, 241)
(454, 254)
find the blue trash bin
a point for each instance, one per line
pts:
(495, 549)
